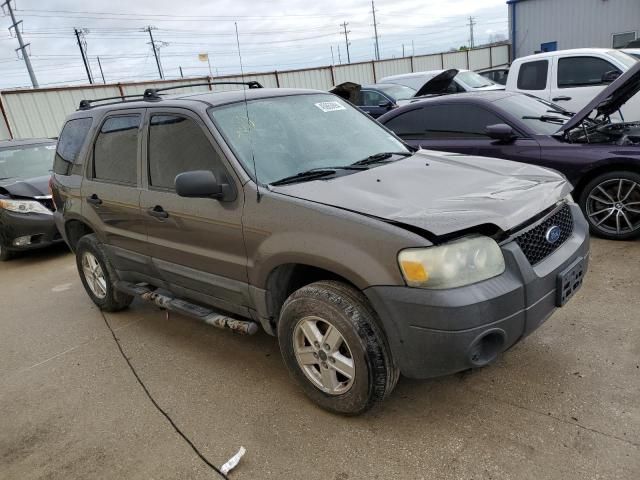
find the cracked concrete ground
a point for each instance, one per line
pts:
(564, 403)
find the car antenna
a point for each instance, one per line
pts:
(246, 107)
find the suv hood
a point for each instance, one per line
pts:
(438, 84)
(609, 100)
(347, 90)
(441, 193)
(27, 188)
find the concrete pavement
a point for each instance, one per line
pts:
(564, 403)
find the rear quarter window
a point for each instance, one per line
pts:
(533, 75)
(70, 143)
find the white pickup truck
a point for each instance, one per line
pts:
(571, 78)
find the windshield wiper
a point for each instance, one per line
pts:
(562, 112)
(546, 118)
(380, 157)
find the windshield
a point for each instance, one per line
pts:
(474, 80)
(398, 92)
(293, 134)
(627, 60)
(26, 161)
(526, 106)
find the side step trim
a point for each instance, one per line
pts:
(208, 316)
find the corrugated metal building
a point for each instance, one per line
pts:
(547, 25)
(41, 112)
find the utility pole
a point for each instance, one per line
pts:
(332, 60)
(346, 39)
(403, 50)
(83, 45)
(23, 48)
(413, 49)
(471, 25)
(375, 29)
(101, 72)
(181, 74)
(339, 57)
(156, 49)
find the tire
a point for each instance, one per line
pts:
(611, 204)
(5, 254)
(104, 295)
(346, 311)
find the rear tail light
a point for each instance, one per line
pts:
(53, 199)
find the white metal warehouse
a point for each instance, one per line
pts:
(547, 25)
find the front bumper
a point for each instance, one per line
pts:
(40, 228)
(438, 332)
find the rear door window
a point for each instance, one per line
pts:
(582, 71)
(177, 144)
(443, 121)
(70, 143)
(115, 154)
(533, 75)
(369, 98)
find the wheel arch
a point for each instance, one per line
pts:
(75, 229)
(602, 168)
(286, 278)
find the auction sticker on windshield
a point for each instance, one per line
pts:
(329, 106)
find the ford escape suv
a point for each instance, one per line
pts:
(294, 211)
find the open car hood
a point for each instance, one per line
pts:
(347, 90)
(438, 84)
(441, 193)
(609, 100)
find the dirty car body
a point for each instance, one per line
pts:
(26, 208)
(327, 230)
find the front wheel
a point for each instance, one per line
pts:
(334, 348)
(5, 254)
(611, 203)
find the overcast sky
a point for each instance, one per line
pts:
(275, 34)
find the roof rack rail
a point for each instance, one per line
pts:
(87, 104)
(153, 93)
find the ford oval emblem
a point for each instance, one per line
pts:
(553, 234)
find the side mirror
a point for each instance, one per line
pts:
(387, 105)
(500, 131)
(200, 184)
(610, 76)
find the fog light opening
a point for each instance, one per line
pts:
(486, 347)
(22, 241)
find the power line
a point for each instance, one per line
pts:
(346, 39)
(82, 44)
(375, 29)
(471, 25)
(23, 48)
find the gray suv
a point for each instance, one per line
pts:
(293, 211)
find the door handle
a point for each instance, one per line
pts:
(158, 212)
(94, 199)
(558, 99)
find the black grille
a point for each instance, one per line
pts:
(47, 202)
(534, 243)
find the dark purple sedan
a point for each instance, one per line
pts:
(594, 148)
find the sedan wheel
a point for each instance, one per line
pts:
(612, 205)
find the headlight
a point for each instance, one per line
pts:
(24, 206)
(454, 264)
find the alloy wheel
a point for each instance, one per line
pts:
(324, 355)
(94, 275)
(613, 206)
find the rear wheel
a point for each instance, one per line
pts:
(611, 203)
(333, 346)
(98, 276)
